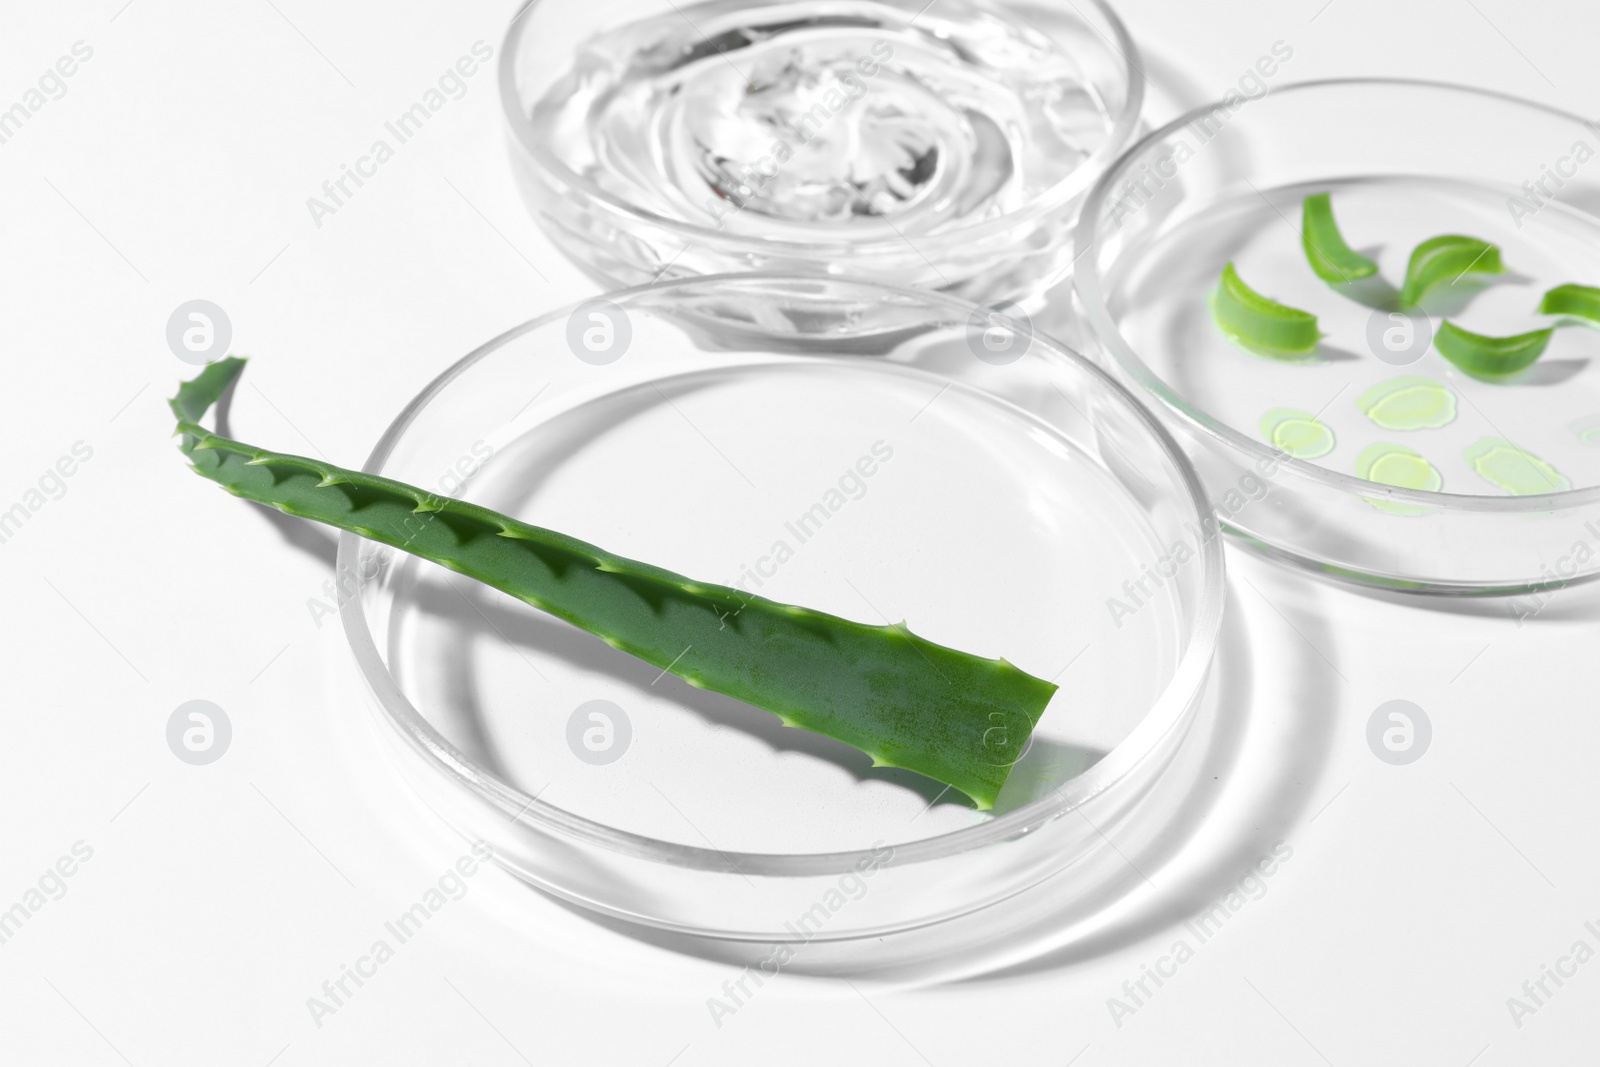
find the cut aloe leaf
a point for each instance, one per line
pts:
(1490, 357)
(1334, 261)
(1260, 324)
(1573, 301)
(1447, 259)
(960, 719)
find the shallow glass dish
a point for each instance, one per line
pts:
(1404, 161)
(943, 146)
(857, 449)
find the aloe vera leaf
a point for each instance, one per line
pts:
(1331, 258)
(1259, 324)
(1447, 258)
(1490, 357)
(958, 718)
(1573, 301)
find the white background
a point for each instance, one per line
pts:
(219, 898)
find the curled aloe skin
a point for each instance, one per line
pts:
(1259, 324)
(1334, 261)
(1490, 357)
(1447, 259)
(958, 718)
(1573, 302)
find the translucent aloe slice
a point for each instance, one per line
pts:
(1587, 429)
(1397, 466)
(1261, 325)
(1297, 433)
(1333, 260)
(1516, 470)
(1490, 357)
(1573, 301)
(1409, 403)
(1446, 259)
(1400, 467)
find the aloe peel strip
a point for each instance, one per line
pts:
(1490, 357)
(1447, 258)
(1260, 324)
(1330, 257)
(1572, 301)
(958, 718)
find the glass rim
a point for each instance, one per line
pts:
(1088, 237)
(1166, 712)
(1080, 179)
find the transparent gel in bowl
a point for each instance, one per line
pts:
(943, 145)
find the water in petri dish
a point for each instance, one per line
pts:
(861, 119)
(1377, 371)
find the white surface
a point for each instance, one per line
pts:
(219, 898)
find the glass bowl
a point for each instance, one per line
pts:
(943, 146)
(1000, 499)
(1404, 161)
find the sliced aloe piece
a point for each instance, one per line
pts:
(1259, 324)
(955, 717)
(1516, 470)
(1334, 261)
(1490, 357)
(1573, 301)
(1447, 259)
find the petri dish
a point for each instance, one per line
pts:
(879, 460)
(1495, 485)
(944, 146)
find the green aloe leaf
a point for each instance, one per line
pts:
(1259, 324)
(1573, 301)
(1490, 357)
(958, 718)
(1447, 259)
(1333, 260)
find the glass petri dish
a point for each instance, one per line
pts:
(995, 502)
(1509, 497)
(944, 146)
